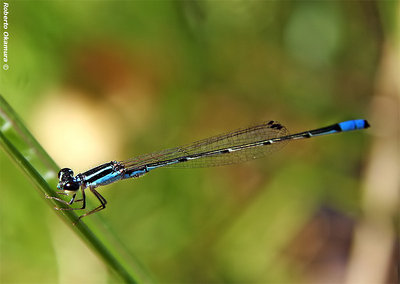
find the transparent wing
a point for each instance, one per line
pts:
(241, 139)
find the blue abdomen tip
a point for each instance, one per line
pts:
(354, 124)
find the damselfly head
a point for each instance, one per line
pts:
(67, 182)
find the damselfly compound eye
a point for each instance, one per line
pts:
(71, 186)
(65, 174)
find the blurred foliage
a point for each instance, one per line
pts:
(102, 80)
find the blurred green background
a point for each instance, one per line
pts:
(98, 80)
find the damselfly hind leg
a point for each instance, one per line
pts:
(102, 206)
